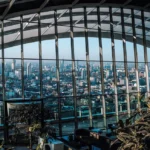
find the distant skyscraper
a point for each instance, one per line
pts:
(13, 64)
(62, 66)
(111, 66)
(18, 73)
(28, 69)
(83, 74)
(77, 65)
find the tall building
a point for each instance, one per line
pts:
(62, 65)
(13, 65)
(83, 74)
(29, 69)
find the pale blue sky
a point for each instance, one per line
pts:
(48, 50)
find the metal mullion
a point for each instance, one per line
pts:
(114, 62)
(125, 61)
(88, 66)
(40, 68)
(3, 60)
(22, 55)
(40, 54)
(3, 84)
(73, 69)
(57, 72)
(145, 52)
(135, 53)
(101, 67)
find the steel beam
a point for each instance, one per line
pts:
(7, 9)
(88, 67)
(22, 55)
(114, 62)
(57, 72)
(101, 67)
(3, 85)
(75, 2)
(73, 70)
(145, 52)
(125, 61)
(135, 55)
(38, 11)
(40, 55)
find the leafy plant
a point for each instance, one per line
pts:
(134, 134)
(25, 118)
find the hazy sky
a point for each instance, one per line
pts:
(48, 50)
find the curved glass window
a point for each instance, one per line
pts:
(88, 65)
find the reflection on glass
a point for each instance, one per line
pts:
(50, 109)
(67, 108)
(68, 128)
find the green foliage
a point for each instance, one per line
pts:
(38, 147)
(134, 134)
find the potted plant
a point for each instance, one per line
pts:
(24, 118)
(134, 134)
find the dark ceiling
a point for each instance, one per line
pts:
(11, 8)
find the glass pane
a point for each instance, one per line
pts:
(93, 49)
(13, 52)
(68, 128)
(11, 37)
(107, 52)
(79, 48)
(121, 80)
(140, 51)
(64, 49)
(132, 78)
(48, 49)
(67, 108)
(31, 50)
(50, 110)
(81, 78)
(130, 51)
(119, 50)
(66, 87)
(79, 31)
(12, 32)
(13, 78)
(49, 78)
(95, 78)
(31, 79)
